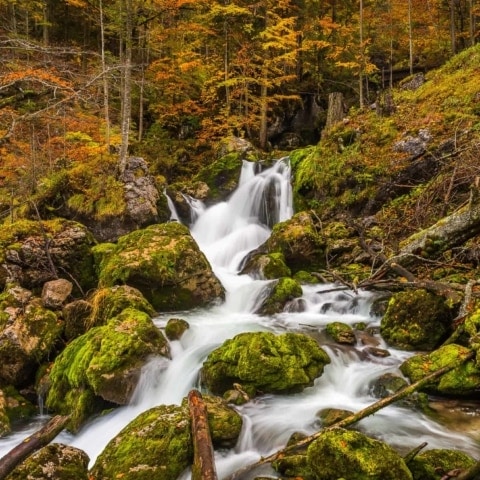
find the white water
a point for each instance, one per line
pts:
(226, 232)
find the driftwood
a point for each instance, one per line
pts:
(31, 444)
(203, 459)
(354, 418)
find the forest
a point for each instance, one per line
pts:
(167, 79)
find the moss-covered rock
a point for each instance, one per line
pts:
(53, 462)
(25, 260)
(280, 292)
(352, 455)
(266, 266)
(110, 301)
(175, 328)
(329, 416)
(76, 316)
(264, 362)
(104, 363)
(156, 445)
(165, 264)
(17, 406)
(4, 420)
(28, 335)
(224, 422)
(387, 384)
(435, 464)
(416, 320)
(462, 380)
(341, 333)
(300, 241)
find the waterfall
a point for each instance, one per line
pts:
(226, 232)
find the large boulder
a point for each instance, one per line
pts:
(103, 364)
(437, 463)
(300, 241)
(29, 333)
(463, 380)
(53, 462)
(349, 454)
(34, 252)
(264, 362)
(156, 445)
(416, 320)
(164, 263)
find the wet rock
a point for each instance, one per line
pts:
(103, 364)
(341, 333)
(164, 263)
(377, 352)
(437, 463)
(349, 454)
(461, 381)
(55, 293)
(157, 445)
(386, 385)
(266, 266)
(416, 320)
(329, 416)
(264, 362)
(280, 293)
(53, 462)
(175, 328)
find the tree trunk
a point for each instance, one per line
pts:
(203, 461)
(31, 444)
(336, 110)
(106, 105)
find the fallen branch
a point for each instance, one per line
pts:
(203, 460)
(356, 417)
(31, 444)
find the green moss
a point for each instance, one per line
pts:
(17, 407)
(157, 444)
(341, 333)
(265, 362)
(435, 464)
(462, 380)
(305, 277)
(87, 368)
(56, 461)
(175, 328)
(415, 320)
(350, 454)
(282, 291)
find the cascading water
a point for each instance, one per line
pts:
(226, 232)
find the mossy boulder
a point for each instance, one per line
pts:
(266, 266)
(300, 241)
(264, 362)
(349, 454)
(17, 406)
(55, 461)
(175, 328)
(416, 320)
(110, 301)
(435, 464)
(341, 333)
(103, 364)
(4, 420)
(28, 335)
(329, 416)
(164, 263)
(387, 384)
(280, 292)
(76, 316)
(224, 422)
(25, 259)
(463, 380)
(156, 445)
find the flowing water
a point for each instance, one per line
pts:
(226, 232)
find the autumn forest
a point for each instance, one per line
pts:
(165, 79)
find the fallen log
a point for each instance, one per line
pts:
(354, 418)
(31, 444)
(203, 459)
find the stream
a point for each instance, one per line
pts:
(226, 232)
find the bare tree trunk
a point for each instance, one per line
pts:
(203, 462)
(127, 84)
(362, 59)
(31, 444)
(106, 105)
(453, 33)
(410, 37)
(336, 109)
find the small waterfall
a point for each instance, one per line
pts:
(226, 232)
